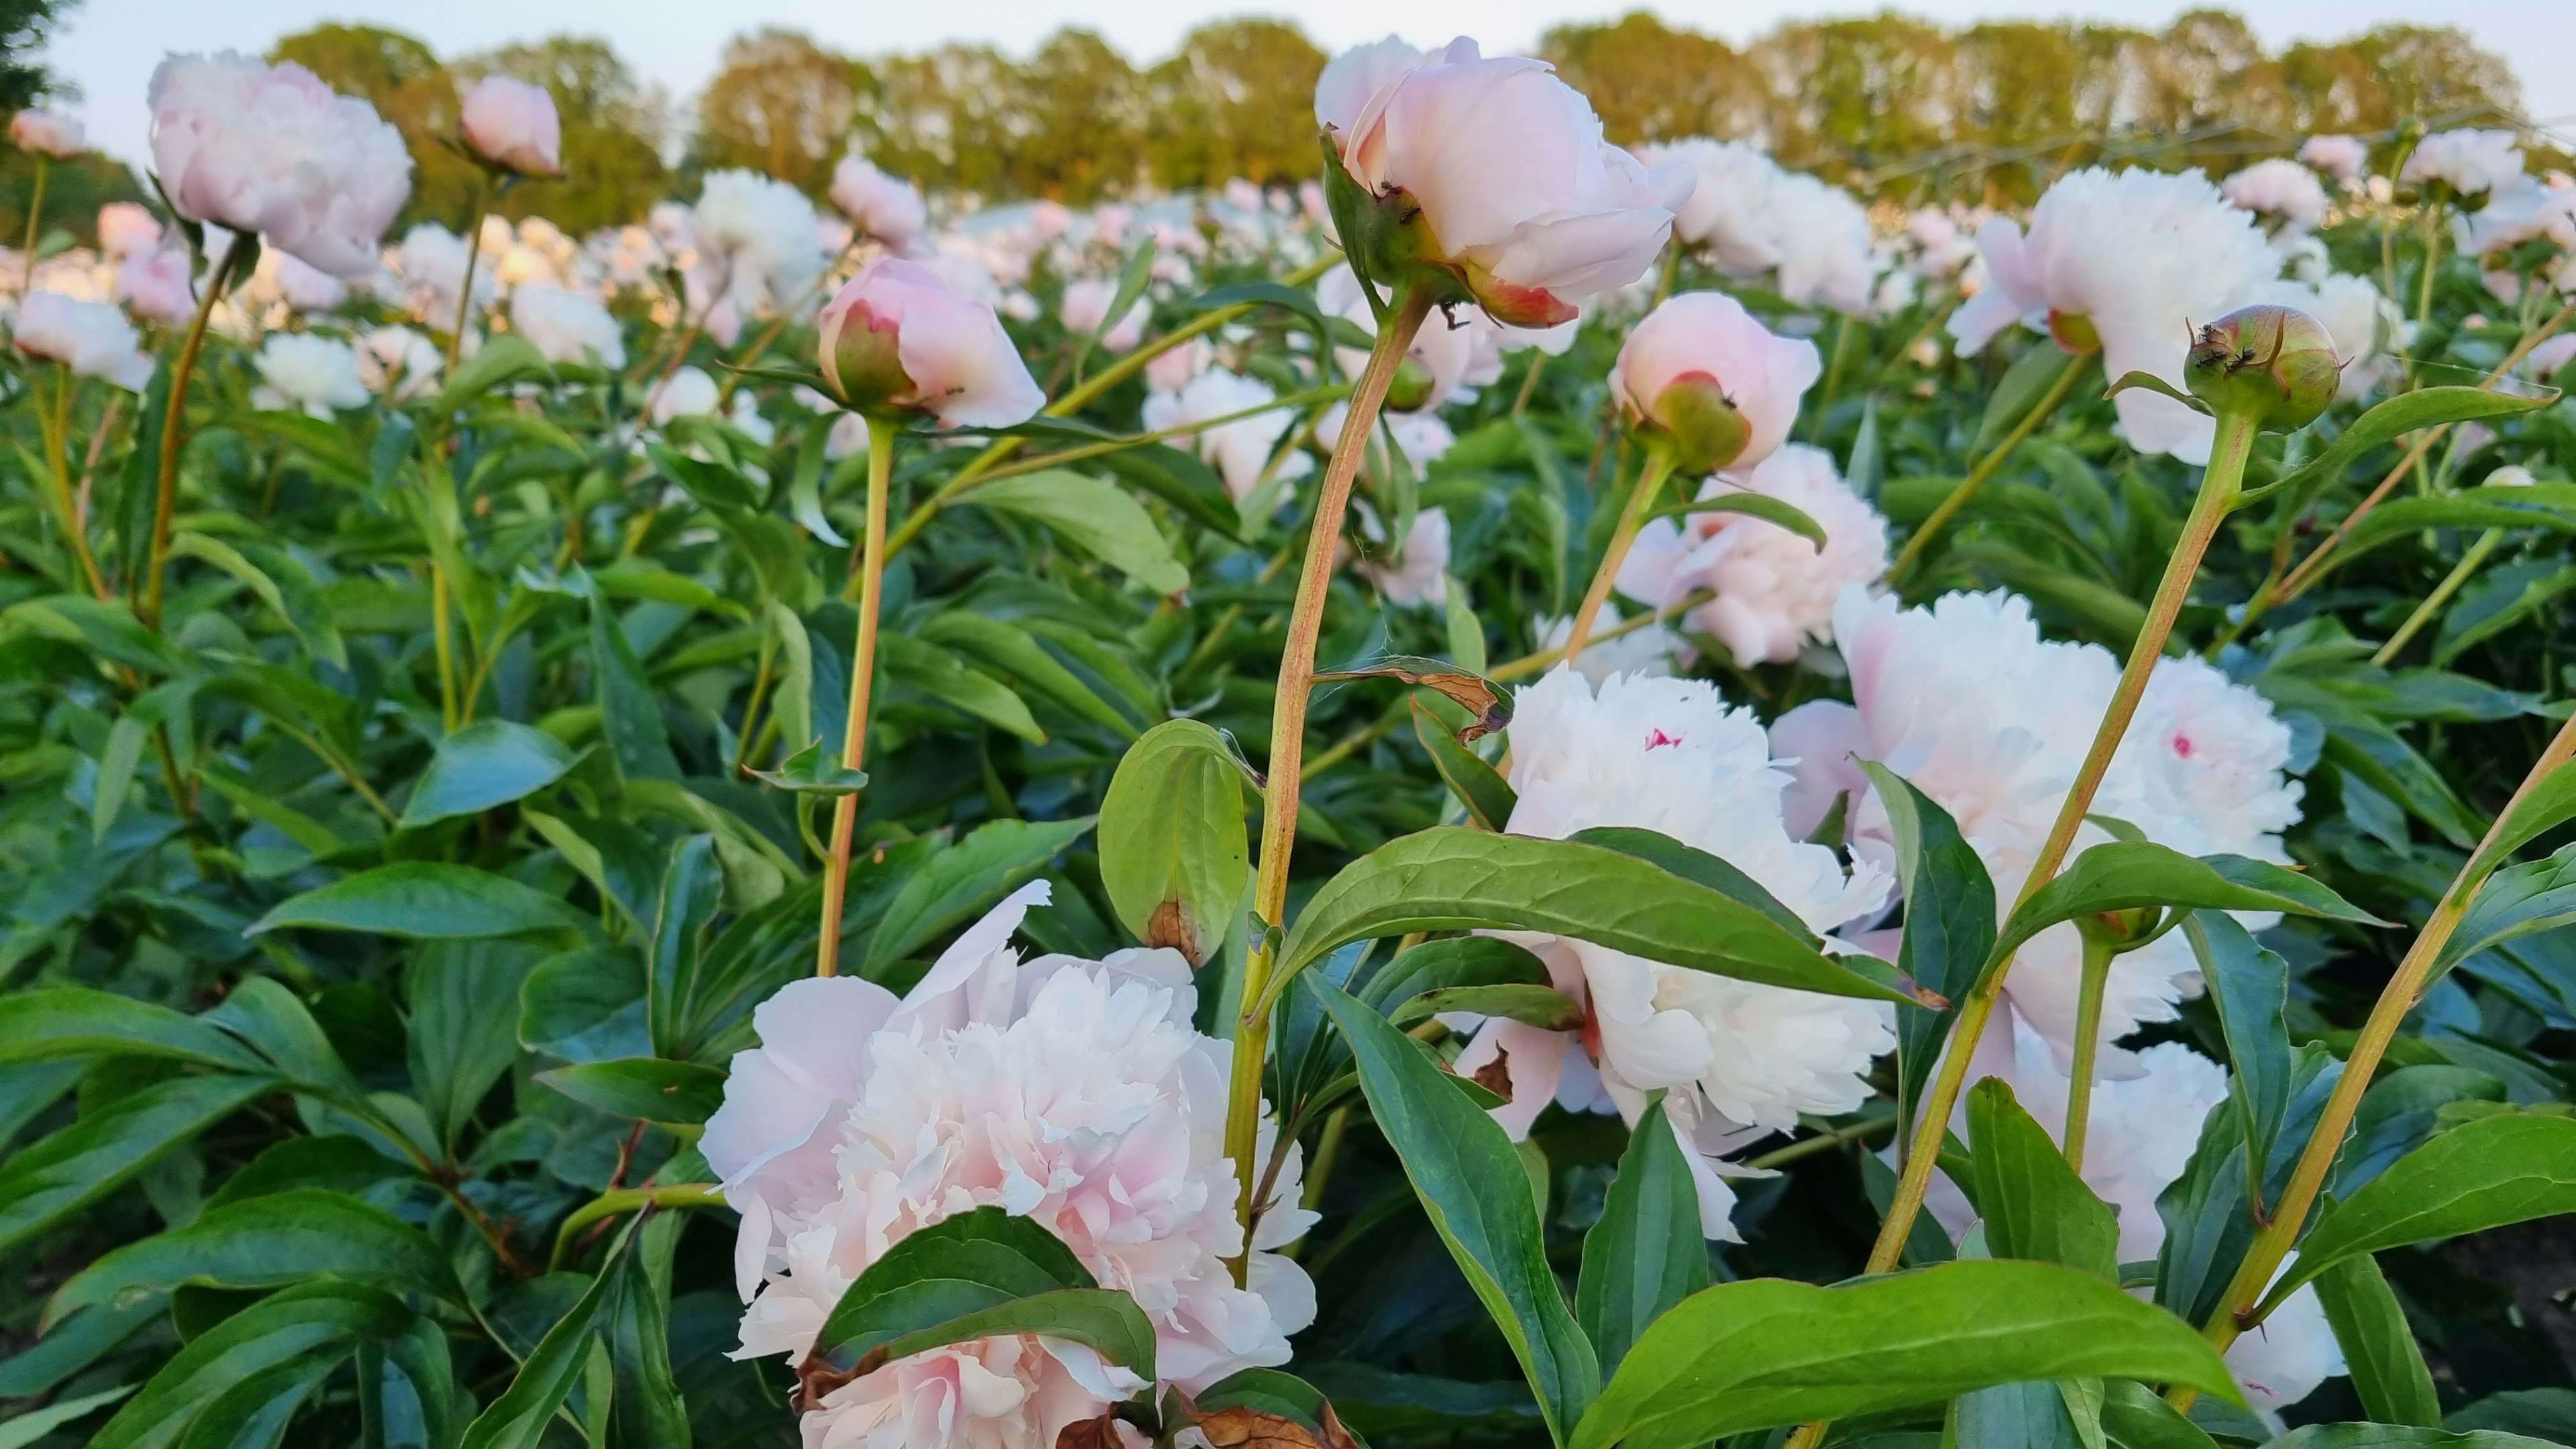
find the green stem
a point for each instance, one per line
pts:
(2460, 573)
(1327, 393)
(174, 425)
(1632, 517)
(465, 288)
(1833, 380)
(863, 662)
(1912, 554)
(626, 1200)
(35, 218)
(2218, 488)
(2098, 951)
(443, 640)
(1529, 382)
(57, 430)
(1823, 1141)
(1288, 744)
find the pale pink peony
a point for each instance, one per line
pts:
(1518, 190)
(1708, 337)
(1728, 208)
(887, 209)
(511, 123)
(2281, 189)
(431, 263)
(398, 364)
(1417, 573)
(2469, 162)
(316, 375)
(955, 361)
(93, 339)
(2135, 257)
(1085, 311)
(155, 286)
(1071, 1092)
(1352, 78)
(1239, 450)
(1171, 369)
(567, 326)
(47, 133)
(2551, 357)
(1826, 258)
(2342, 157)
(1775, 590)
(271, 149)
(126, 229)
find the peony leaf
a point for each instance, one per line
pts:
(267, 1242)
(2034, 1205)
(648, 1089)
(425, 900)
(2149, 382)
(810, 772)
(1478, 786)
(2425, 407)
(1647, 1252)
(1173, 853)
(1752, 505)
(2133, 875)
(1097, 517)
(59, 1175)
(2386, 1365)
(489, 762)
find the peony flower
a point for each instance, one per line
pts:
(1942, 250)
(271, 149)
(1240, 450)
(567, 326)
(1728, 209)
(2470, 162)
(431, 263)
(1171, 369)
(2342, 157)
(1418, 573)
(47, 133)
(1719, 383)
(757, 234)
(1648, 651)
(155, 286)
(687, 393)
(301, 287)
(1825, 258)
(2281, 189)
(300, 370)
(1519, 197)
(93, 339)
(1775, 590)
(1085, 311)
(127, 230)
(2551, 357)
(1074, 1093)
(2123, 262)
(887, 209)
(397, 364)
(511, 123)
(1351, 79)
(1741, 1059)
(2207, 758)
(895, 335)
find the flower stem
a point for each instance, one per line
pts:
(174, 420)
(465, 288)
(2484, 544)
(863, 660)
(2098, 952)
(1288, 744)
(1985, 468)
(445, 643)
(35, 232)
(2218, 489)
(1632, 517)
(57, 429)
(2244, 1304)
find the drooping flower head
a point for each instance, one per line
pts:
(895, 336)
(513, 124)
(2125, 263)
(271, 149)
(1494, 172)
(1712, 381)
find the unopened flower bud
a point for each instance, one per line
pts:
(2275, 364)
(895, 338)
(513, 125)
(1711, 382)
(1410, 389)
(1704, 428)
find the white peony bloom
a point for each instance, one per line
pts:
(1444, 352)
(271, 149)
(1239, 450)
(93, 339)
(397, 364)
(1085, 311)
(1743, 1059)
(887, 209)
(1729, 207)
(687, 393)
(1942, 250)
(2124, 261)
(1074, 1093)
(897, 335)
(1518, 191)
(1775, 590)
(300, 370)
(1707, 341)
(758, 235)
(1422, 437)
(1419, 571)
(1171, 369)
(2208, 758)
(567, 326)
(2342, 157)
(2281, 189)
(1647, 651)
(280, 278)
(431, 263)
(1825, 258)
(2469, 162)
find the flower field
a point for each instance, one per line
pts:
(1534, 793)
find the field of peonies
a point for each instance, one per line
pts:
(1530, 796)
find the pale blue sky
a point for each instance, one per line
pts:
(111, 46)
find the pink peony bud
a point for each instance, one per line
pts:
(47, 133)
(126, 230)
(1715, 383)
(511, 123)
(896, 337)
(271, 149)
(887, 208)
(1494, 173)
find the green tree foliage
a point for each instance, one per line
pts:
(404, 80)
(1238, 100)
(779, 104)
(25, 25)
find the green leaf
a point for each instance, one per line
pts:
(108, 630)
(320, 1319)
(459, 1045)
(2507, 1168)
(518, 1418)
(811, 772)
(2028, 379)
(1762, 1353)
(268, 1242)
(2423, 408)
(941, 675)
(2136, 1417)
(2036, 1415)
(1022, 659)
(487, 763)
(2539, 505)
(116, 761)
(80, 1164)
(53, 1022)
(1459, 961)
(1281, 1396)
(1173, 853)
(1451, 879)
(503, 357)
(2034, 1205)
(253, 1412)
(2251, 988)
(629, 715)
(2378, 1348)
(2400, 1436)
(1949, 923)
(691, 895)
(964, 881)
(1459, 1161)
(2125, 875)
(1095, 516)
(1647, 1252)
(1541, 1006)
(636, 1334)
(1753, 505)
(35, 1424)
(2149, 382)
(2499, 599)
(2549, 803)
(2515, 902)
(427, 901)
(648, 1088)
(1478, 786)
(977, 1274)
(586, 1005)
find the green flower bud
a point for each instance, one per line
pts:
(2276, 364)
(1410, 389)
(1705, 430)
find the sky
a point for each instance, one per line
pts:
(110, 46)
